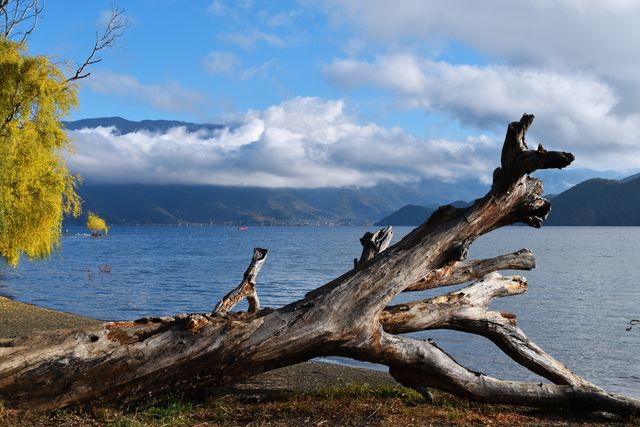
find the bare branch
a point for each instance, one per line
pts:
(458, 272)
(517, 160)
(116, 26)
(437, 312)
(421, 364)
(16, 13)
(246, 289)
(466, 311)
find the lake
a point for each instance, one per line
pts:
(580, 299)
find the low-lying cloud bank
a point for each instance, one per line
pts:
(302, 143)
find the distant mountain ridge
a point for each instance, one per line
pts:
(217, 205)
(598, 202)
(124, 126)
(594, 202)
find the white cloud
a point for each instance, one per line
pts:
(303, 142)
(575, 112)
(478, 92)
(544, 31)
(258, 71)
(217, 62)
(248, 39)
(168, 96)
(567, 36)
(570, 62)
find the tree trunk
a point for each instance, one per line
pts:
(349, 316)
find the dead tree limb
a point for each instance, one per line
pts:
(246, 289)
(349, 316)
(19, 18)
(457, 272)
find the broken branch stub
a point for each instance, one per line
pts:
(349, 316)
(246, 288)
(373, 244)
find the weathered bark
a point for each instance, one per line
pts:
(349, 316)
(246, 288)
(373, 244)
(457, 272)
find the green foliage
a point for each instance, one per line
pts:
(172, 410)
(36, 189)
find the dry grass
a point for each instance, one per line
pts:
(352, 405)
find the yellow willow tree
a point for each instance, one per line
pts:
(36, 189)
(97, 225)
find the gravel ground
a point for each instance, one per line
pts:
(19, 319)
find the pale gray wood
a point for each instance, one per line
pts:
(246, 288)
(457, 272)
(467, 310)
(373, 244)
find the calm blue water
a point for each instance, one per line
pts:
(581, 295)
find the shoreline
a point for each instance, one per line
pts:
(19, 318)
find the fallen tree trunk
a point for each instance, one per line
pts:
(350, 316)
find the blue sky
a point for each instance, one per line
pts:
(235, 56)
(352, 92)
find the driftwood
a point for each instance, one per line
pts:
(350, 316)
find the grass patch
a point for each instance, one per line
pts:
(175, 409)
(358, 391)
(350, 405)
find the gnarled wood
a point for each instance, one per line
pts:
(349, 316)
(457, 272)
(373, 244)
(246, 288)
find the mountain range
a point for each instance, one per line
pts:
(218, 205)
(124, 126)
(598, 202)
(592, 202)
